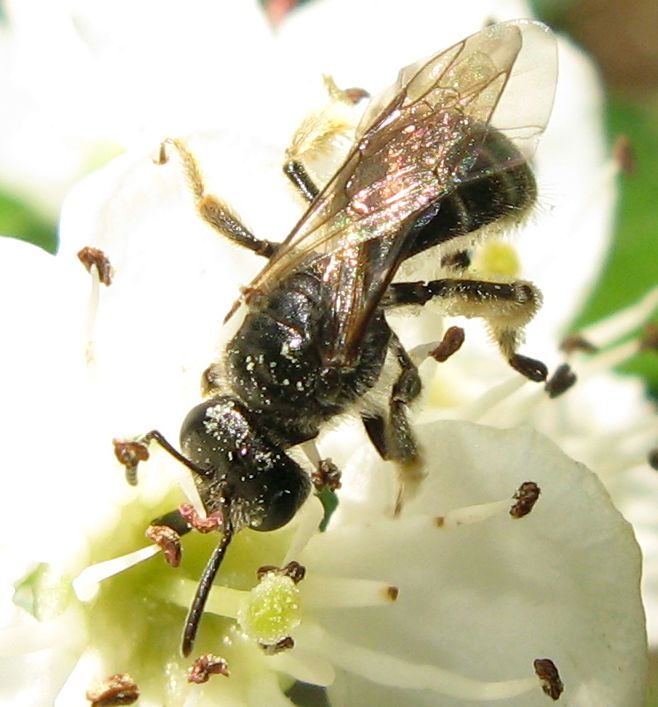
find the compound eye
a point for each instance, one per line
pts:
(281, 503)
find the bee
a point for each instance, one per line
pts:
(438, 157)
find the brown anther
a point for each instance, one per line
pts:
(119, 689)
(652, 458)
(451, 342)
(577, 343)
(563, 379)
(293, 569)
(456, 261)
(285, 644)
(392, 593)
(327, 475)
(526, 496)
(168, 540)
(206, 666)
(355, 95)
(649, 338)
(549, 677)
(94, 257)
(129, 454)
(251, 295)
(439, 521)
(162, 157)
(624, 155)
(203, 525)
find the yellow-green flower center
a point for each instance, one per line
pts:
(271, 610)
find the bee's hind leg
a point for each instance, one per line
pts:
(506, 307)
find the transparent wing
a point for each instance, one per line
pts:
(416, 143)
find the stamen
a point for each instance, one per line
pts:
(330, 592)
(310, 516)
(168, 540)
(621, 323)
(86, 584)
(205, 666)
(394, 672)
(652, 458)
(549, 677)
(477, 409)
(306, 666)
(118, 689)
(223, 601)
(524, 500)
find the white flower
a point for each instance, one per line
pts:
(480, 597)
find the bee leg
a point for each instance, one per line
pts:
(391, 434)
(301, 180)
(320, 133)
(213, 210)
(506, 307)
(406, 389)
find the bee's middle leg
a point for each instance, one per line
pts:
(392, 436)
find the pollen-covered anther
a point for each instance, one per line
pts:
(96, 258)
(118, 689)
(293, 569)
(168, 540)
(652, 458)
(525, 498)
(549, 677)
(562, 380)
(285, 644)
(130, 454)
(203, 525)
(205, 666)
(326, 476)
(576, 343)
(452, 340)
(624, 155)
(649, 337)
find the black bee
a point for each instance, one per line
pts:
(439, 156)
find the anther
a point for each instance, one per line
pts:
(526, 496)
(94, 257)
(450, 343)
(202, 525)
(129, 454)
(652, 458)
(624, 155)
(549, 677)
(285, 644)
(168, 540)
(118, 689)
(649, 338)
(576, 343)
(206, 666)
(326, 476)
(563, 379)
(293, 569)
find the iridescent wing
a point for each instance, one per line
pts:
(417, 142)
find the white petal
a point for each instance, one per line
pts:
(485, 600)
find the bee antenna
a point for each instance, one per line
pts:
(203, 591)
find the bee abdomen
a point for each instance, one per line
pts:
(504, 188)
